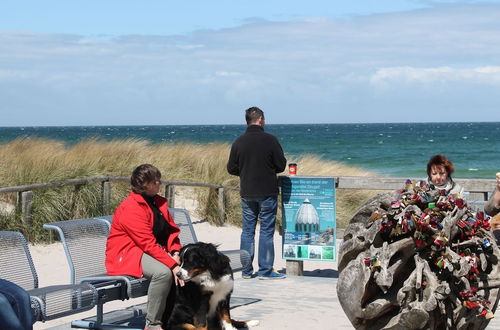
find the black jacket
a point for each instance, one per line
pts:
(256, 157)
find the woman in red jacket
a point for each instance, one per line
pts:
(144, 241)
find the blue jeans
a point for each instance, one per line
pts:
(15, 307)
(264, 208)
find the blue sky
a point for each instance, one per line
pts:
(123, 62)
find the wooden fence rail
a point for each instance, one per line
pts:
(478, 189)
(25, 192)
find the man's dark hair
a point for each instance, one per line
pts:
(142, 175)
(253, 114)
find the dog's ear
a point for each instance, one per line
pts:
(207, 249)
(223, 262)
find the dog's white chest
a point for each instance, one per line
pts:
(220, 289)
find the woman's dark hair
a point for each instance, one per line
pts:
(440, 160)
(142, 175)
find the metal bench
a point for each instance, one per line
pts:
(47, 303)
(84, 242)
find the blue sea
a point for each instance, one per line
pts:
(390, 149)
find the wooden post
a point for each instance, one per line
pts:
(19, 199)
(170, 195)
(106, 196)
(295, 267)
(26, 205)
(222, 209)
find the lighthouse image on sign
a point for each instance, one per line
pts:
(307, 219)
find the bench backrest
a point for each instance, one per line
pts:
(183, 220)
(16, 264)
(84, 242)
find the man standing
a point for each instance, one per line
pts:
(256, 157)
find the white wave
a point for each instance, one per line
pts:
(473, 169)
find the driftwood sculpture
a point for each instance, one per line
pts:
(418, 259)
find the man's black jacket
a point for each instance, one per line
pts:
(256, 157)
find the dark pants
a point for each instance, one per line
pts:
(15, 307)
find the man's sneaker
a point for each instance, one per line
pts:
(247, 277)
(272, 276)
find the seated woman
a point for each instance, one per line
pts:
(144, 241)
(439, 170)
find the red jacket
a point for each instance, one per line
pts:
(131, 235)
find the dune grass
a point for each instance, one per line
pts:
(28, 161)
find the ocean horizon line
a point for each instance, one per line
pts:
(267, 124)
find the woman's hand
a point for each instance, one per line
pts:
(177, 258)
(177, 280)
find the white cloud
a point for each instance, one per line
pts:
(189, 47)
(227, 74)
(385, 77)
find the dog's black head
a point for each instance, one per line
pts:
(199, 259)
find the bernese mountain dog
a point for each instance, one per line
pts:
(203, 302)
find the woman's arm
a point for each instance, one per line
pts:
(492, 207)
(138, 227)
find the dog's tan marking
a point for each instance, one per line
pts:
(226, 321)
(189, 326)
(225, 316)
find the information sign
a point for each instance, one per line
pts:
(308, 208)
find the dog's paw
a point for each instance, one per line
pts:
(228, 326)
(253, 323)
